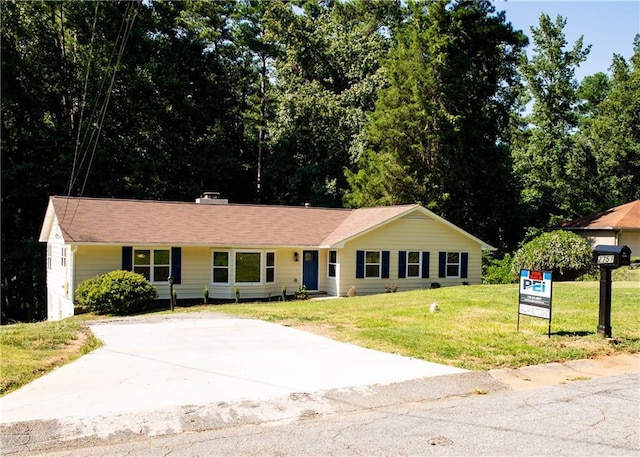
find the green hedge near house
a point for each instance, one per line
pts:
(117, 292)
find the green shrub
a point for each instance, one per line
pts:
(497, 271)
(568, 255)
(116, 292)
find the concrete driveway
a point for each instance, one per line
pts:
(163, 362)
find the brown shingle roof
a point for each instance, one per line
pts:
(111, 221)
(625, 216)
(92, 220)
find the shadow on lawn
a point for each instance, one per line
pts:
(565, 333)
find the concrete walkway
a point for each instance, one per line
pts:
(149, 364)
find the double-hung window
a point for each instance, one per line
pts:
(220, 274)
(49, 255)
(63, 257)
(153, 264)
(372, 264)
(333, 262)
(413, 264)
(453, 264)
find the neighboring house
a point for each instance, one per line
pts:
(257, 248)
(618, 226)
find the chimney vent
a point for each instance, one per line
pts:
(212, 198)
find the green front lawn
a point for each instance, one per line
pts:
(474, 327)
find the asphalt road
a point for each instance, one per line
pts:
(582, 418)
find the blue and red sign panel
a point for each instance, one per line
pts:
(535, 293)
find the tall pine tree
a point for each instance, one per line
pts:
(439, 134)
(548, 163)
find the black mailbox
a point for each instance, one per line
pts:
(612, 256)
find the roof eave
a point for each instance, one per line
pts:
(47, 224)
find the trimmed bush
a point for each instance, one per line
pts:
(117, 292)
(568, 255)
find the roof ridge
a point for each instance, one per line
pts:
(180, 202)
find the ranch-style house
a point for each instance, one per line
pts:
(258, 249)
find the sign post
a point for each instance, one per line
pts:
(535, 295)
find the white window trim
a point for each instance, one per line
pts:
(406, 273)
(151, 265)
(447, 263)
(379, 263)
(49, 256)
(335, 264)
(63, 256)
(266, 267)
(229, 262)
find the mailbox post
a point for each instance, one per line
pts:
(172, 303)
(608, 258)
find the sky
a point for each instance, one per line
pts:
(609, 26)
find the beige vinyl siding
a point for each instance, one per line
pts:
(197, 266)
(414, 232)
(196, 271)
(92, 261)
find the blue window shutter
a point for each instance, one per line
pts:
(127, 258)
(464, 264)
(385, 264)
(402, 264)
(176, 265)
(442, 265)
(425, 264)
(359, 264)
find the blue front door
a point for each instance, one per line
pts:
(310, 269)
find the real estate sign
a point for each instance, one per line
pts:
(535, 295)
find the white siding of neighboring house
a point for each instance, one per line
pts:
(59, 277)
(632, 240)
(414, 232)
(596, 237)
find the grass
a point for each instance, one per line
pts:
(474, 328)
(31, 350)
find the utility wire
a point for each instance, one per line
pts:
(92, 134)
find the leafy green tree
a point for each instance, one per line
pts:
(440, 131)
(121, 99)
(548, 163)
(327, 78)
(609, 132)
(41, 96)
